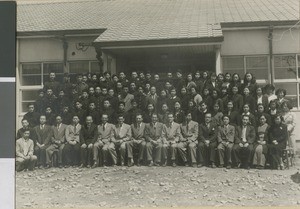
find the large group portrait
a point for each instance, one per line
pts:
(157, 103)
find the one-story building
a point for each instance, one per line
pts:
(258, 36)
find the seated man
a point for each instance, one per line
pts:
(137, 140)
(42, 136)
(57, 142)
(226, 135)
(88, 136)
(153, 136)
(243, 148)
(72, 147)
(105, 141)
(207, 142)
(189, 131)
(25, 126)
(122, 137)
(171, 136)
(24, 153)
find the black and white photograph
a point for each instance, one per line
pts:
(157, 103)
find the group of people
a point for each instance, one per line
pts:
(203, 119)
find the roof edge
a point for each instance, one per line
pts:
(61, 32)
(159, 41)
(258, 23)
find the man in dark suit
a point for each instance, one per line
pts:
(243, 148)
(42, 137)
(234, 116)
(152, 97)
(189, 132)
(122, 137)
(207, 142)
(226, 135)
(72, 147)
(57, 143)
(32, 116)
(105, 142)
(88, 136)
(171, 135)
(153, 136)
(52, 83)
(137, 140)
(25, 126)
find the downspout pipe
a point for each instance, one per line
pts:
(270, 38)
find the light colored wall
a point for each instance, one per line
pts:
(250, 42)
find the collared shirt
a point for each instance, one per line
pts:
(207, 125)
(26, 146)
(259, 99)
(58, 126)
(244, 129)
(42, 126)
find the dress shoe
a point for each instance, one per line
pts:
(81, 166)
(194, 165)
(122, 164)
(88, 166)
(48, 166)
(165, 164)
(174, 164)
(228, 166)
(67, 166)
(200, 165)
(221, 166)
(213, 165)
(150, 164)
(186, 164)
(94, 166)
(60, 166)
(156, 164)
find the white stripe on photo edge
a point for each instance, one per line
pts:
(7, 79)
(7, 183)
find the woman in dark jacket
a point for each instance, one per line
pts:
(250, 82)
(277, 142)
(261, 98)
(237, 99)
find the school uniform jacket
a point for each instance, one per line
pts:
(43, 136)
(208, 133)
(88, 135)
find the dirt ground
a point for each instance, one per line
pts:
(155, 187)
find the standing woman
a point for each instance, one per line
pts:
(236, 81)
(195, 96)
(185, 98)
(280, 93)
(217, 99)
(273, 110)
(226, 81)
(220, 80)
(237, 99)
(250, 82)
(207, 98)
(288, 120)
(179, 115)
(217, 115)
(261, 98)
(249, 99)
(277, 142)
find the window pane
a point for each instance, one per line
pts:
(285, 67)
(233, 63)
(261, 73)
(53, 67)
(31, 74)
(79, 67)
(257, 62)
(29, 95)
(299, 66)
(291, 88)
(95, 67)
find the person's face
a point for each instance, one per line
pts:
(215, 94)
(169, 75)
(261, 137)
(269, 91)
(179, 75)
(84, 79)
(285, 108)
(94, 78)
(104, 91)
(107, 76)
(26, 134)
(226, 120)
(173, 92)
(203, 106)
(98, 90)
(79, 79)
(277, 120)
(220, 77)
(89, 76)
(61, 93)
(42, 120)
(197, 75)
(25, 123)
(78, 105)
(216, 107)
(106, 104)
(85, 94)
(41, 94)
(125, 89)
(224, 91)
(228, 77)
(147, 86)
(235, 77)
(142, 76)
(258, 91)
(188, 117)
(246, 108)
(121, 120)
(89, 120)
(115, 79)
(111, 92)
(205, 75)
(229, 105)
(91, 91)
(156, 77)
(140, 89)
(102, 79)
(205, 91)
(235, 90)
(134, 104)
(119, 85)
(260, 109)
(246, 91)
(245, 121)
(191, 104)
(177, 106)
(30, 108)
(48, 110)
(153, 90)
(207, 118)
(132, 86)
(66, 79)
(249, 77)
(150, 107)
(58, 120)
(189, 77)
(92, 106)
(134, 75)
(139, 119)
(164, 108)
(75, 120)
(122, 75)
(104, 119)
(52, 76)
(273, 105)
(193, 91)
(148, 76)
(213, 77)
(121, 107)
(262, 120)
(170, 118)
(49, 92)
(183, 91)
(154, 118)
(280, 94)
